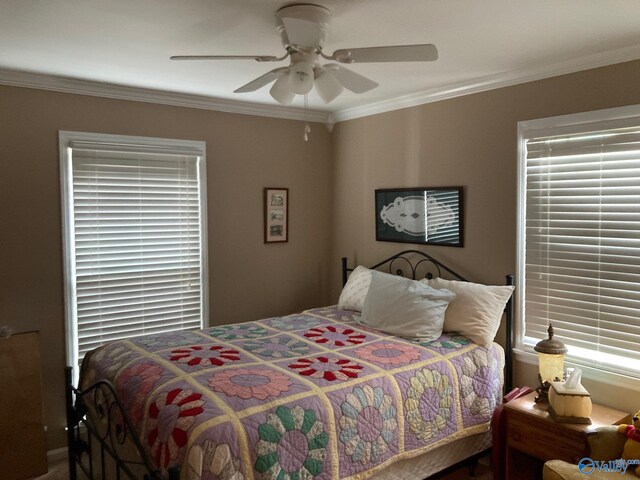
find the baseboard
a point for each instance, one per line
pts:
(57, 454)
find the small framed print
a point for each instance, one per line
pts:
(276, 215)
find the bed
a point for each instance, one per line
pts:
(311, 395)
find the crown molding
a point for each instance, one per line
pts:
(56, 83)
(491, 82)
(18, 78)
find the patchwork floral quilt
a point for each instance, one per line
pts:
(311, 395)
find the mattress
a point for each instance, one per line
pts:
(310, 395)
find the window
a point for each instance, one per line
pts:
(134, 236)
(579, 236)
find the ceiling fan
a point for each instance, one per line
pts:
(303, 29)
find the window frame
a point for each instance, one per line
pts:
(136, 143)
(524, 352)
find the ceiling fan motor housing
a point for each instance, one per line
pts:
(303, 26)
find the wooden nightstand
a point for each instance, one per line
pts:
(532, 433)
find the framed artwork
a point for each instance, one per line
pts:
(431, 215)
(276, 215)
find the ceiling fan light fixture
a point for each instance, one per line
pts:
(328, 86)
(301, 77)
(281, 92)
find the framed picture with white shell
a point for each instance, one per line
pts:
(428, 215)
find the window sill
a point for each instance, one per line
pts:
(527, 355)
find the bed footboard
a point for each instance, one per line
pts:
(100, 437)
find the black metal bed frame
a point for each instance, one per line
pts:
(107, 431)
(111, 428)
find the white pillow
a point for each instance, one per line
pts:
(355, 290)
(477, 309)
(405, 307)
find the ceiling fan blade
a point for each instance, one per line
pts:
(261, 81)
(351, 80)
(257, 58)
(399, 53)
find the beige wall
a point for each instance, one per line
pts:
(468, 141)
(248, 279)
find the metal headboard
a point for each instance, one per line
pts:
(416, 264)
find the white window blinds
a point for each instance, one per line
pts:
(134, 217)
(582, 241)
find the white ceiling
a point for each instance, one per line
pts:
(480, 42)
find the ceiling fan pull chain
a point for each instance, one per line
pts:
(307, 128)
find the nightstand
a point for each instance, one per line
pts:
(532, 434)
